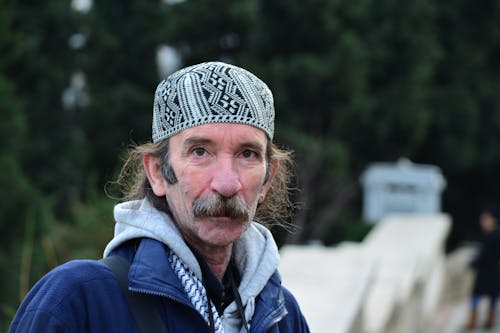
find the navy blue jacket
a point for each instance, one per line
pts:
(84, 296)
(487, 265)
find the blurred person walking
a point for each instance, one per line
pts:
(486, 265)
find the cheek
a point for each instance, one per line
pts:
(253, 187)
(192, 184)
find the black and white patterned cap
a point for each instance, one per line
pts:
(211, 92)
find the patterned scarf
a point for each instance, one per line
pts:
(196, 292)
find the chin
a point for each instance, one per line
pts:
(226, 233)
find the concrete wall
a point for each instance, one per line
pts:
(390, 282)
(330, 284)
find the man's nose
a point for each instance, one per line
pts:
(226, 180)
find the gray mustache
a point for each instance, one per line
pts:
(216, 206)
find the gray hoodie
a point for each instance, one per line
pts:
(255, 253)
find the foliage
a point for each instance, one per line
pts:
(355, 83)
(71, 241)
(24, 213)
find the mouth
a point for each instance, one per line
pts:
(224, 219)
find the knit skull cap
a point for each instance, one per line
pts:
(211, 92)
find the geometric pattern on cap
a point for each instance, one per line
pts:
(211, 92)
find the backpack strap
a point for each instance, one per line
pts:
(143, 307)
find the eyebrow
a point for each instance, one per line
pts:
(253, 145)
(198, 140)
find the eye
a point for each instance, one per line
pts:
(249, 154)
(199, 152)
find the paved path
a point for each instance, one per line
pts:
(452, 318)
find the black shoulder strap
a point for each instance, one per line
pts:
(142, 306)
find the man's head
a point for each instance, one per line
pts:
(210, 93)
(212, 161)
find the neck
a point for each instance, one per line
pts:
(217, 258)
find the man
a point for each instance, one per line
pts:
(187, 227)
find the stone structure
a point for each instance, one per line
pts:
(331, 285)
(390, 282)
(401, 187)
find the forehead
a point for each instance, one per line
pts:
(222, 133)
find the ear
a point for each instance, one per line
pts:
(153, 172)
(274, 167)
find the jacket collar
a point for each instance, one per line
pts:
(151, 273)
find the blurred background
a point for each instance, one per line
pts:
(355, 82)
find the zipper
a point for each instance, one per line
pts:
(275, 319)
(276, 316)
(162, 294)
(175, 299)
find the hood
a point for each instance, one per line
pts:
(139, 219)
(255, 253)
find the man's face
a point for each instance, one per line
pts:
(216, 163)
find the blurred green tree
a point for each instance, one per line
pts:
(354, 78)
(119, 61)
(41, 64)
(24, 212)
(465, 129)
